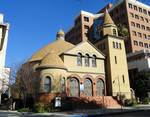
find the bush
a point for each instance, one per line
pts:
(39, 108)
(146, 100)
(130, 102)
(24, 110)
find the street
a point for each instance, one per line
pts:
(141, 113)
(145, 113)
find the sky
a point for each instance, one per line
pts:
(34, 23)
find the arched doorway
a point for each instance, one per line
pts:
(88, 87)
(74, 87)
(100, 87)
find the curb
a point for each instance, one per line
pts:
(116, 113)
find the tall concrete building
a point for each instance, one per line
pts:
(136, 16)
(82, 28)
(4, 72)
(131, 13)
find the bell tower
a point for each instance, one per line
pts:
(113, 47)
(108, 27)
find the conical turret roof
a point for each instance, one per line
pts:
(107, 18)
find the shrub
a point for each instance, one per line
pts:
(39, 108)
(24, 110)
(146, 100)
(130, 102)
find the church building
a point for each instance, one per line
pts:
(87, 70)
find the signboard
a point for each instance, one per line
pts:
(81, 87)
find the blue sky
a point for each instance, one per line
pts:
(34, 23)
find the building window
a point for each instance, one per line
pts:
(143, 27)
(135, 7)
(148, 28)
(136, 17)
(149, 13)
(120, 46)
(141, 18)
(145, 36)
(139, 34)
(123, 79)
(114, 45)
(117, 46)
(114, 32)
(136, 43)
(130, 5)
(115, 60)
(137, 25)
(63, 84)
(134, 33)
(74, 89)
(47, 84)
(100, 87)
(146, 20)
(132, 15)
(94, 61)
(88, 88)
(101, 33)
(140, 44)
(140, 9)
(133, 24)
(146, 45)
(87, 60)
(148, 37)
(86, 19)
(145, 11)
(79, 59)
(86, 27)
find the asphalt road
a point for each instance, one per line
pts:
(145, 113)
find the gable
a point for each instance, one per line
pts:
(85, 48)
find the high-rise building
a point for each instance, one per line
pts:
(4, 72)
(82, 29)
(131, 13)
(136, 17)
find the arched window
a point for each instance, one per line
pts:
(94, 61)
(47, 84)
(63, 84)
(100, 87)
(74, 87)
(117, 45)
(79, 59)
(87, 60)
(88, 87)
(114, 45)
(114, 32)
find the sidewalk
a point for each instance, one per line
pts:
(92, 113)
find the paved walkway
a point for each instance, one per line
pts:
(76, 113)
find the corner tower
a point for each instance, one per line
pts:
(116, 64)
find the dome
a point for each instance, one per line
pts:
(59, 46)
(61, 32)
(52, 60)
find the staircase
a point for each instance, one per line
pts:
(95, 102)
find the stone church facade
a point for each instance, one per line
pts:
(84, 70)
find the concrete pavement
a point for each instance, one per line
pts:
(78, 113)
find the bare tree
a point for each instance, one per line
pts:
(26, 81)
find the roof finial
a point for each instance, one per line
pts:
(60, 34)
